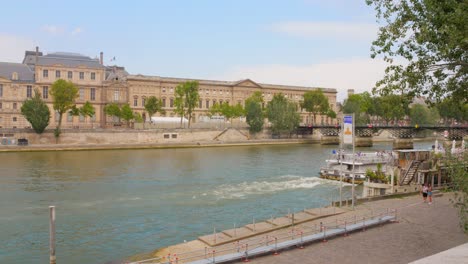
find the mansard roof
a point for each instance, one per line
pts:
(25, 74)
(68, 59)
(228, 83)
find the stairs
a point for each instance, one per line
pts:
(410, 173)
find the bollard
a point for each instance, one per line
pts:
(246, 258)
(266, 240)
(206, 252)
(302, 241)
(238, 248)
(324, 234)
(214, 251)
(52, 257)
(345, 229)
(276, 247)
(363, 224)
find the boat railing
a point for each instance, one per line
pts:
(363, 158)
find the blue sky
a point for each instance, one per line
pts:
(296, 42)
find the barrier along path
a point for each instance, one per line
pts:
(273, 235)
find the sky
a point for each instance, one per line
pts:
(318, 43)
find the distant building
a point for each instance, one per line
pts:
(100, 85)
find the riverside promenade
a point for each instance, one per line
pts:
(422, 230)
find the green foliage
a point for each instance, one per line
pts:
(282, 114)
(37, 113)
(422, 115)
(452, 109)
(315, 102)
(127, 114)
(64, 94)
(138, 118)
(377, 176)
(113, 109)
(87, 110)
(429, 38)
(215, 109)
(392, 107)
(186, 99)
(152, 106)
(457, 169)
(254, 112)
(361, 105)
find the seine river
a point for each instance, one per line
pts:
(114, 204)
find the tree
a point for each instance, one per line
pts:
(422, 115)
(127, 114)
(64, 94)
(315, 102)
(87, 110)
(451, 109)
(179, 101)
(113, 109)
(186, 100)
(152, 106)
(282, 114)
(392, 107)
(360, 105)
(37, 113)
(254, 115)
(458, 173)
(430, 38)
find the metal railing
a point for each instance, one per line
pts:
(294, 235)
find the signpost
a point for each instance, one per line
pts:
(347, 135)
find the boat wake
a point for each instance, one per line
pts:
(284, 183)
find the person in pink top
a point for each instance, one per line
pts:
(424, 191)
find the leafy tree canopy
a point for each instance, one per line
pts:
(315, 102)
(422, 115)
(37, 113)
(153, 105)
(282, 114)
(430, 37)
(64, 94)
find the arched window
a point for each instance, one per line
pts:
(135, 100)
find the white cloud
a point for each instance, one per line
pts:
(53, 29)
(12, 47)
(334, 30)
(359, 74)
(77, 31)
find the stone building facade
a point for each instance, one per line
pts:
(101, 85)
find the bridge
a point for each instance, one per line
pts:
(403, 135)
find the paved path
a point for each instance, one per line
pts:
(423, 230)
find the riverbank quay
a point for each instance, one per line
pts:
(201, 144)
(422, 230)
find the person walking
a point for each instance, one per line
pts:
(424, 191)
(429, 193)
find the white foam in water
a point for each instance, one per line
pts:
(288, 182)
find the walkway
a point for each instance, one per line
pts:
(423, 230)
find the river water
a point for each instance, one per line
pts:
(117, 203)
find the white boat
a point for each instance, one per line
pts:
(341, 165)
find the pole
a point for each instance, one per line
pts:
(52, 234)
(354, 158)
(341, 163)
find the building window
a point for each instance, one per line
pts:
(93, 94)
(81, 94)
(164, 102)
(172, 89)
(93, 118)
(164, 89)
(1, 90)
(207, 104)
(116, 95)
(93, 76)
(143, 101)
(1, 105)
(135, 101)
(70, 75)
(14, 119)
(57, 116)
(29, 91)
(171, 102)
(45, 73)
(57, 74)
(82, 118)
(200, 103)
(15, 105)
(69, 117)
(45, 92)
(81, 75)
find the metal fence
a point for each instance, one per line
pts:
(293, 236)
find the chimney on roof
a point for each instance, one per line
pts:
(101, 58)
(350, 92)
(37, 53)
